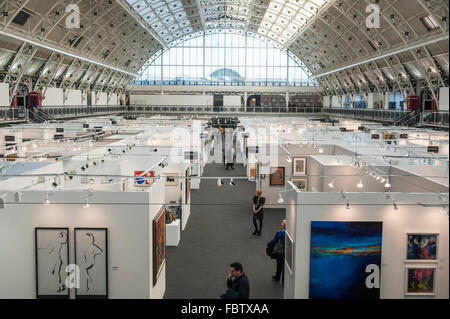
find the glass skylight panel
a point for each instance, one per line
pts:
(166, 17)
(284, 18)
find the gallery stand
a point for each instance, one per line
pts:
(173, 233)
(369, 219)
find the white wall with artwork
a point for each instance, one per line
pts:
(365, 245)
(128, 218)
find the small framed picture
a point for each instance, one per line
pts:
(289, 252)
(277, 176)
(171, 179)
(420, 281)
(299, 166)
(422, 247)
(300, 183)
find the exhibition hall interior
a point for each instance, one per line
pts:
(212, 149)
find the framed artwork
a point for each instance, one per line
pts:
(91, 256)
(159, 243)
(433, 149)
(277, 176)
(389, 136)
(144, 181)
(345, 260)
(52, 258)
(187, 185)
(422, 247)
(171, 181)
(420, 281)
(375, 136)
(299, 166)
(253, 170)
(300, 183)
(289, 252)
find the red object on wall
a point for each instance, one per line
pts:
(34, 99)
(413, 103)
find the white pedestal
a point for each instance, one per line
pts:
(173, 233)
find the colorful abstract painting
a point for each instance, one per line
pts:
(345, 260)
(422, 247)
(420, 281)
(159, 243)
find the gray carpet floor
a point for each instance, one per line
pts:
(219, 232)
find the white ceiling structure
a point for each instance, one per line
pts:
(330, 37)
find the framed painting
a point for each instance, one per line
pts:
(389, 136)
(277, 176)
(52, 258)
(159, 243)
(299, 166)
(91, 256)
(289, 252)
(300, 183)
(171, 179)
(253, 170)
(345, 260)
(422, 247)
(420, 281)
(187, 185)
(143, 180)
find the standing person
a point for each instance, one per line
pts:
(258, 211)
(237, 283)
(280, 235)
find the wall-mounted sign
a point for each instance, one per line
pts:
(361, 128)
(85, 125)
(403, 136)
(375, 136)
(58, 136)
(343, 129)
(433, 149)
(203, 135)
(10, 138)
(59, 130)
(144, 180)
(11, 157)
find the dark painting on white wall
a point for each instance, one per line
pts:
(52, 258)
(91, 256)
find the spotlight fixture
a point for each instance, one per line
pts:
(219, 182)
(347, 206)
(280, 199)
(387, 185)
(320, 150)
(360, 184)
(331, 185)
(394, 204)
(232, 183)
(288, 159)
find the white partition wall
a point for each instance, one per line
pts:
(443, 99)
(172, 100)
(410, 218)
(128, 217)
(53, 96)
(4, 94)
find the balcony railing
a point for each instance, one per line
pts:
(427, 118)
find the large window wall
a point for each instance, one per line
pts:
(226, 59)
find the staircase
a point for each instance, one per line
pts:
(40, 116)
(409, 119)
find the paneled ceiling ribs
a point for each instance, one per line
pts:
(117, 39)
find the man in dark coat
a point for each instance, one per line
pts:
(237, 283)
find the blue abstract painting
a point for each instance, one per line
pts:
(422, 246)
(340, 254)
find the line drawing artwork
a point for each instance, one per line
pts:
(55, 249)
(90, 252)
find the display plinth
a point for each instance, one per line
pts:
(173, 234)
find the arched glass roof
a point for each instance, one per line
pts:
(226, 58)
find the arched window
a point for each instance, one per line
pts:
(226, 58)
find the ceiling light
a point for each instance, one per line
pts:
(394, 204)
(360, 184)
(320, 150)
(331, 185)
(47, 199)
(280, 199)
(387, 185)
